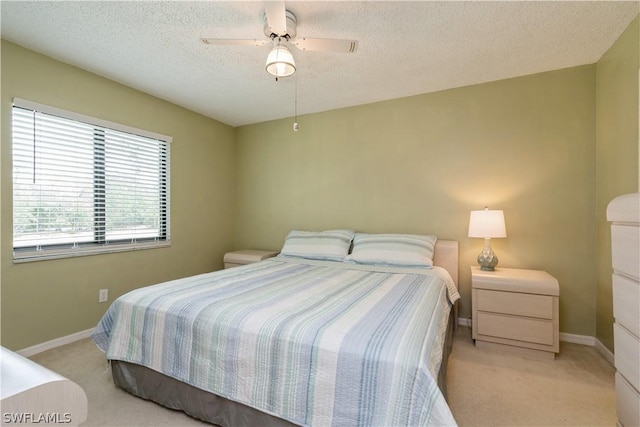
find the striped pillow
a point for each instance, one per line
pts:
(330, 245)
(410, 250)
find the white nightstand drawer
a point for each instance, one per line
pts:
(246, 256)
(518, 304)
(516, 328)
(231, 265)
(627, 355)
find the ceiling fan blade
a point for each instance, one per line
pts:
(326, 45)
(234, 42)
(276, 17)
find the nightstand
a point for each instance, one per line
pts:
(247, 256)
(516, 309)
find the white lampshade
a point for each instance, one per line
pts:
(280, 62)
(487, 224)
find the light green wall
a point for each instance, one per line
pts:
(617, 75)
(45, 300)
(420, 164)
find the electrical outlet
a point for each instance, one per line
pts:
(103, 295)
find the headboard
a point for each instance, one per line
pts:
(445, 255)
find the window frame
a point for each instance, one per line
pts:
(99, 245)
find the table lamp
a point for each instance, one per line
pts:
(487, 224)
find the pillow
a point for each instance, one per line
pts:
(409, 250)
(330, 245)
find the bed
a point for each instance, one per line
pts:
(341, 329)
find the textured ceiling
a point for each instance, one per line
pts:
(405, 48)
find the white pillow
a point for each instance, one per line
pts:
(410, 250)
(330, 245)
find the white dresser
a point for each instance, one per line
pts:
(624, 215)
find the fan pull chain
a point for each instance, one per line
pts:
(295, 107)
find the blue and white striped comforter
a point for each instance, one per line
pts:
(316, 343)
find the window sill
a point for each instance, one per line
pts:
(43, 255)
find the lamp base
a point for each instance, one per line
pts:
(487, 260)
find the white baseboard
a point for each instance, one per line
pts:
(606, 353)
(590, 341)
(578, 339)
(464, 321)
(39, 348)
(572, 338)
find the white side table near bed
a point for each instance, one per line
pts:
(246, 256)
(517, 309)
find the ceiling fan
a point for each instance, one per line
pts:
(280, 29)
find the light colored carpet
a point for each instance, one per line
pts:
(489, 387)
(85, 364)
(485, 387)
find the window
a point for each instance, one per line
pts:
(83, 185)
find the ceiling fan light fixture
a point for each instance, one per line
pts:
(280, 62)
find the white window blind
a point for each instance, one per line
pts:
(84, 186)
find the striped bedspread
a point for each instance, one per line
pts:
(314, 342)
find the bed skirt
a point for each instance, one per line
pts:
(171, 393)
